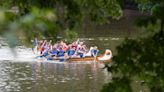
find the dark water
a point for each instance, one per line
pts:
(51, 77)
(108, 36)
(32, 76)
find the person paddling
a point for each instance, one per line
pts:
(35, 43)
(42, 46)
(81, 50)
(94, 51)
(71, 52)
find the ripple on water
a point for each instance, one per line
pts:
(20, 54)
(47, 76)
(3, 84)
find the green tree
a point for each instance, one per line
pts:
(141, 59)
(69, 14)
(155, 8)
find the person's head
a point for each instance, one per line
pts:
(60, 48)
(41, 41)
(45, 42)
(81, 43)
(61, 42)
(35, 37)
(74, 48)
(54, 48)
(95, 47)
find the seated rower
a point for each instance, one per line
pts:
(94, 51)
(45, 51)
(74, 45)
(81, 50)
(54, 52)
(35, 48)
(60, 53)
(71, 51)
(47, 48)
(89, 52)
(42, 46)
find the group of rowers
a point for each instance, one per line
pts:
(61, 49)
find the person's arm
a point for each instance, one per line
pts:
(43, 44)
(50, 42)
(77, 41)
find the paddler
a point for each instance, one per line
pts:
(81, 50)
(94, 51)
(35, 43)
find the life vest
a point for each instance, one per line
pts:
(60, 53)
(94, 52)
(54, 52)
(70, 52)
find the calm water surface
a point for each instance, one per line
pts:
(50, 77)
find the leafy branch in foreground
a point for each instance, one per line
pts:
(140, 59)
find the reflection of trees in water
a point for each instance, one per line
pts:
(48, 76)
(72, 76)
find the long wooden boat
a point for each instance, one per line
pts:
(107, 57)
(84, 59)
(87, 59)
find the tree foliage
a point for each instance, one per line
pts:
(142, 59)
(47, 17)
(155, 8)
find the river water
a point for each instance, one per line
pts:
(20, 71)
(24, 73)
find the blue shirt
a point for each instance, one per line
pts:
(54, 52)
(71, 52)
(60, 53)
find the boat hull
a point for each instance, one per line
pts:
(85, 59)
(104, 58)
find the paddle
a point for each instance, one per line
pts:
(77, 41)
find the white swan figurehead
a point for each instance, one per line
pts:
(107, 55)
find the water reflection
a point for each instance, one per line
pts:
(103, 43)
(50, 77)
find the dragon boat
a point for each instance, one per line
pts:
(103, 58)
